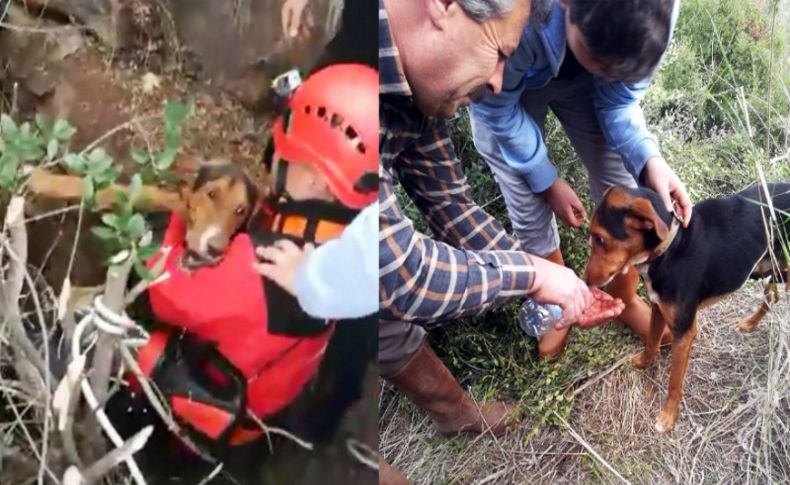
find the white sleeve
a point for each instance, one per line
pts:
(340, 279)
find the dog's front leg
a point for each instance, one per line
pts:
(657, 324)
(681, 351)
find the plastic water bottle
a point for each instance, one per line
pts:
(537, 318)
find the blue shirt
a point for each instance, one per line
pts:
(340, 278)
(537, 61)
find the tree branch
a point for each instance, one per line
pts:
(28, 361)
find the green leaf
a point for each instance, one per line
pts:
(136, 227)
(24, 130)
(110, 220)
(8, 127)
(139, 155)
(9, 161)
(44, 124)
(104, 178)
(172, 138)
(63, 131)
(52, 148)
(75, 163)
(166, 158)
(29, 148)
(89, 191)
(142, 271)
(103, 233)
(102, 166)
(98, 157)
(135, 185)
(176, 112)
(9, 165)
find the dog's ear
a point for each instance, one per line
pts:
(644, 212)
(184, 194)
(255, 197)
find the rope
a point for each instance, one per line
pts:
(362, 453)
(117, 325)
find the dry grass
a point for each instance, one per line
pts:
(734, 425)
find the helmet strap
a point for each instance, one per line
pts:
(279, 182)
(367, 183)
(282, 170)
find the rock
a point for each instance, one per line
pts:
(253, 31)
(100, 16)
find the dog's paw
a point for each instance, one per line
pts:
(641, 360)
(666, 420)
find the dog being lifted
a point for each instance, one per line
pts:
(728, 241)
(216, 205)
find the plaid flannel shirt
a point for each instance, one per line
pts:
(472, 264)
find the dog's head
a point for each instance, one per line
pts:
(625, 230)
(219, 203)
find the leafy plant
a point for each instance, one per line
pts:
(47, 142)
(28, 142)
(126, 229)
(155, 164)
(97, 168)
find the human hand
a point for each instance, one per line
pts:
(660, 177)
(559, 285)
(292, 13)
(565, 203)
(604, 307)
(281, 262)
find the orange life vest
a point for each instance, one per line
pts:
(235, 342)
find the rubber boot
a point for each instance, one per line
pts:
(552, 343)
(429, 384)
(389, 475)
(636, 314)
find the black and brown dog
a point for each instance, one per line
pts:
(727, 241)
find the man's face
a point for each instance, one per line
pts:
(303, 181)
(460, 59)
(578, 45)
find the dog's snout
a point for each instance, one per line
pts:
(193, 256)
(214, 251)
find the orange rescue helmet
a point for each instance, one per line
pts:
(332, 123)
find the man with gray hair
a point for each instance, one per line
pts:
(434, 57)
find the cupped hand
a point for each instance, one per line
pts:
(559, 285)
(604, 308)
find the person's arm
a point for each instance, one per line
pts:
(623, 122)
(424, 280)
(519, 137)
(291, 15)
(432, 176)
(339, 279)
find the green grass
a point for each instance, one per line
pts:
(720, 105)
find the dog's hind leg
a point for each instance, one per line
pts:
(771, 295)
(681, 352)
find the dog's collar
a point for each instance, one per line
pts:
(667, 242)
